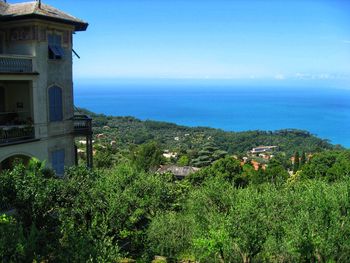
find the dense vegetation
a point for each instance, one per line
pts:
(226, 212)
(129, 131)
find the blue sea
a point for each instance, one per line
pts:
(324, 112)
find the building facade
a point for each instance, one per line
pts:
(36, 86)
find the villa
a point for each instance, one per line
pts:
(37, 116)
(263, 149)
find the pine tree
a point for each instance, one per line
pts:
(208, 155)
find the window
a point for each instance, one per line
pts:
(55, 104)
(55, 49)
(57, 161)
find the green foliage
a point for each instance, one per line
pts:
(129, 131)
(103, 159)
(12, 241)
(275, 173)
(87, 216)
(208, 155)
(296, 164)
(224, 213)
(227, 168)
(148, 157)
(176, 229)
(183, 160)
(329, 165)
(305, 223)
(302, 159)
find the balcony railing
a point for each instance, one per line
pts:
(16, 64)
(82, 125)
(13, 134)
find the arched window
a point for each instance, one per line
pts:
(55, 103)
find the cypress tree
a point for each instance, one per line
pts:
(296, 162)
(302, 159)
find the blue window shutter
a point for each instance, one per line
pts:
(55, 104)
(52, 104)
(59, 106)
(58, 161)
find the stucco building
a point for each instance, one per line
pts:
(36, 86)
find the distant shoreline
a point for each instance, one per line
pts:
(323, 112)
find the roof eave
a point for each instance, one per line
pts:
(78, 26)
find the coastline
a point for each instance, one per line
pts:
(321, 112)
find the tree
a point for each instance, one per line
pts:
(148, 157)
(296, 164)
(103, 159)
(275, 173)
(329, 165)
(226, 168)
(302, 159)
(183, 160)
(208, 155)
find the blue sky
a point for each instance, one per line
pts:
(289, 41)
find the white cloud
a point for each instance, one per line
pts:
(280, 77)
(319, 76)
(302, 76)
(324, 76)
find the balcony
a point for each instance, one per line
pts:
(16, 64)
(82, 125)
(16, 134)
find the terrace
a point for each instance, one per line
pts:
(82, 125)
(17, 64)
(16, 134)
(16, 112)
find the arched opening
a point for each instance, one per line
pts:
(10, 162)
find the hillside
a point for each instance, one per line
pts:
(128, 131)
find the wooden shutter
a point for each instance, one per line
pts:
(55, 104)
(59, 106)
(58, 161)
(52, 104)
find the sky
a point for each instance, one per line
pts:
(289, 41)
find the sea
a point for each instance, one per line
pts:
(325, 112)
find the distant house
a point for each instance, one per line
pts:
(308, 158)
(179, 171)
(263, 149)
(100, 136)
(169, 155)
(258, 165)
(266, 156)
